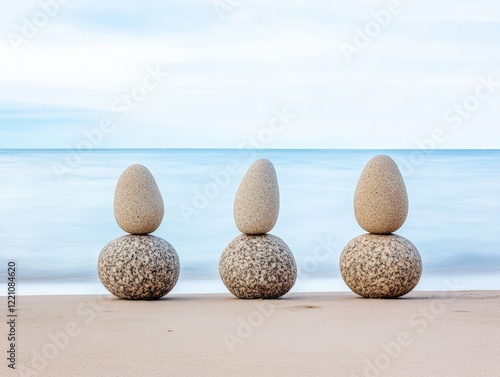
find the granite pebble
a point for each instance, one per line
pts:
(138, 267)
(380, 266)
(258, 266)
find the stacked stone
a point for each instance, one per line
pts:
(138, 266)
(257, 264)
(380, 264)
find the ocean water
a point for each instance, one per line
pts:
(56, 213)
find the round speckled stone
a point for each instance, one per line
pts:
(380, 266)
(258, 266)
(136, 267)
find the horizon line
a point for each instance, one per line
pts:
(257, 149)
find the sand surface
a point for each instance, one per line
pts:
(302, 334)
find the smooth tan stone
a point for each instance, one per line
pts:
(380, 200)
(138, 204)
(257, 201)
(380, 265)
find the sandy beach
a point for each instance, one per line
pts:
(301, 334)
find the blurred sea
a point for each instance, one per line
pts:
(56, 213)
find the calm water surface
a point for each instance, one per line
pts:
(55, 224)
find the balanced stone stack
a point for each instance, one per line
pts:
(138, 266)
(257, 264)
(380, 264)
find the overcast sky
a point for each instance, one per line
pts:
(362, 74)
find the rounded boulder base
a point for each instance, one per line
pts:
(258, 266)
(135, 267)
(380, 266)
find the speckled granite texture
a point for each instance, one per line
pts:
(380, 266)
(138, 204)
(380, 200)
(257, 201)
(138, 267)
(258, 266)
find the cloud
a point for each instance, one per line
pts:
(228, 74)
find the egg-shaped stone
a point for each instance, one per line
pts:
(257, 201)
(258, 266)
(380, 199)
(138, 204)
(138, 267)
(380, 266)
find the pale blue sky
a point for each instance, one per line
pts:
(227, 75)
